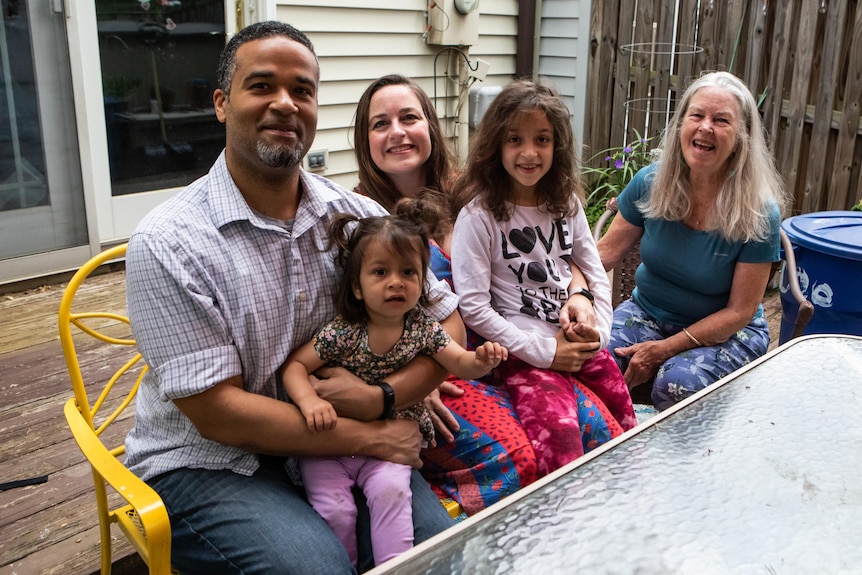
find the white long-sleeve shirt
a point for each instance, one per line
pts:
(513, 277)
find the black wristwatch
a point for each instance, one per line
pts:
(388, 400)
(586, 293)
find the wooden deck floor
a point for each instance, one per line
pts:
(51, 528)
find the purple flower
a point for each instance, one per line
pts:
(619, 164)
(627, 149)
(608, 159)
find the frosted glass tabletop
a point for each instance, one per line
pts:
(761, 473)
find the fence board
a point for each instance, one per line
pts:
(754, 52)
(621, 80)
(849, 124)
(822, 129)
(642, 60)
(788, 160)
(663, 70)
(802, 60)
(687, 37)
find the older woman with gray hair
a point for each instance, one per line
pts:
(707, 217)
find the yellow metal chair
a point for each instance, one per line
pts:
(138, 511)
(140, 514)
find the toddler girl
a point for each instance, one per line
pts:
(380, 327)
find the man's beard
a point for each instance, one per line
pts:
(280, 156)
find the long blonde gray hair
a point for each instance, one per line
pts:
(752, 183)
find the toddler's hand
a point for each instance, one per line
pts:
(319, 414)
(490, 354)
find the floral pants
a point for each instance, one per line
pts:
(690, 371)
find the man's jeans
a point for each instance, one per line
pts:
(227, 523)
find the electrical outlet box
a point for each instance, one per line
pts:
(447, 26)
(316, 160)
(481, 69)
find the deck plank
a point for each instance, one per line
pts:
(51, 528)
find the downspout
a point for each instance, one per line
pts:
(526, 57)
(537, 36)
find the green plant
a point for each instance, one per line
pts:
(623, 163)
(121, 87)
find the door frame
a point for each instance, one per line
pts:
(111, 219)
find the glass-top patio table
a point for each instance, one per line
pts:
(760, 473)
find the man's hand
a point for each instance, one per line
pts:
(444, 422)
(348, 394)
(399, 442)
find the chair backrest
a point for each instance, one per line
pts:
(98, 417)
(623, 276)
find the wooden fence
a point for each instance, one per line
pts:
(801, 58)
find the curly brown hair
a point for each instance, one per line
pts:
(433, 208)
(485, 177)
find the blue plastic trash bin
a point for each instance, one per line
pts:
(828, 249)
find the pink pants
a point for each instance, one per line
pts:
(547, 406)
(328, 482)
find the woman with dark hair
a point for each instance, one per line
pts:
(405, 163)
(394, 165)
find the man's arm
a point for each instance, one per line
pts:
(228, 414)
(353, 398)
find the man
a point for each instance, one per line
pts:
(224, 280)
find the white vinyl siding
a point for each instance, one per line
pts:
(357, 42)
(563, 53)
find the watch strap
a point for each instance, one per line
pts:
(388, 400)
(586, 293)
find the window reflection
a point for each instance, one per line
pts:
(22, 165)
(159, 61)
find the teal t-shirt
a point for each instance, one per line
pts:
(686, 275)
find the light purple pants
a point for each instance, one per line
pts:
(328, 482)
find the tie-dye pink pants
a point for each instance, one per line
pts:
(547, 406)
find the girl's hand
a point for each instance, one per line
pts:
(577, 309)
(444, 422)
(646, 358)
(319, 414)
(490, 354)
(580, 332)
(571, 355)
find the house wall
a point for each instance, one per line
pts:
(563, 53)
(359, 42)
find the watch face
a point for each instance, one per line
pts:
(466, 6)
